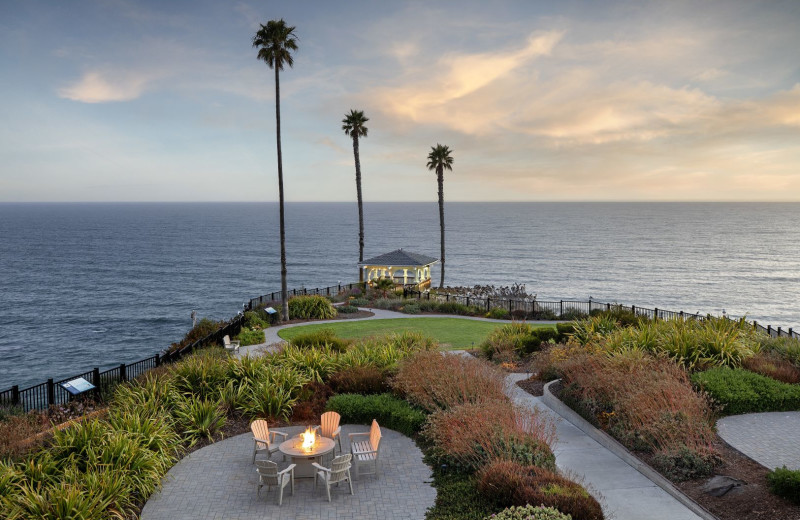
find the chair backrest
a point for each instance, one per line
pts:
(260, 429)
(339, 467)
(268, 471)
(328, 423)
(226, 340)
(375, 435)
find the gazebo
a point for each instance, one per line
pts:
(402, 267)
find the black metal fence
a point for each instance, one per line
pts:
(51, 393)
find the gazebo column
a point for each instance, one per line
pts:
(405, 276)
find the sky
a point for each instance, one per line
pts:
(117, 100)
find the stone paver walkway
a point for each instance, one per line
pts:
(219, 482)
(768, 438)
(624, 493)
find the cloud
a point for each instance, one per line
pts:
(100, 87)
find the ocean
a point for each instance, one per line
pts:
(85, 285)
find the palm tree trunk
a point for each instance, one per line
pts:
(360, 209)
(284, 287)
(440, 179)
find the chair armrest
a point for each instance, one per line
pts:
(322, 468)
(262, 441)
(351, 435)
(337, 431)
(273, 433)
(289, 468)
(317, 427)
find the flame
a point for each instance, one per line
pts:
(309, 438)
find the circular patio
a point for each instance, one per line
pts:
(220, 481)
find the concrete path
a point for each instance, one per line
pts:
(219, 482)
(768, 438)
(624, 493)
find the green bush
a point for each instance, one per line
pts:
(498, 314)
(250, 337)
(346, 309)
(198, 418)
(359, 302)
(786, 348)
(529, 512)
(786, 483)
(367, 379)
(740, 391)
(389, 411)
(320, 338)
(411, 308)
(565, 330)
(257, 319)
(456, 308)
(311, 307)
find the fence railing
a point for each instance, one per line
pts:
(51, 393)
(532, 308)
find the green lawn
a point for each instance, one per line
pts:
(451, 333)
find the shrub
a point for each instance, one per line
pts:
(772, 365)
(346, 309)
(535, 339)
(389, 304)
(359, 302)
(785, 482)
(740, 391)
(202, 375)
(250, 337)
(316, 364)
(646, 403)
(456, 308)
(437, 381)
(786, 348)
(457, 498)
(257, 319)
(410, 308)
(565, 331)
(510, 483)
(320, 338)
(498, 314)
(311, 307)
(360, 380)
(268, 401)
(505, 340)
(16, 430)
(313, 398)
(544, 314)
(529, 512)
(469, 435)
(198, 418)
(389, 411)
(519, 314)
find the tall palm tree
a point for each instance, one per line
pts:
(275, 43)
(353, 125)
(439, 160)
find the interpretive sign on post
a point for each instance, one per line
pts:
(270, 310)
(77, 386)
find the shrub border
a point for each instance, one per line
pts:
(620, 451)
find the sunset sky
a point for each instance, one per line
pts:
(165, 101)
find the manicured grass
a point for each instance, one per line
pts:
(451, 333)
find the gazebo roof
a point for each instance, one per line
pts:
(400, 257)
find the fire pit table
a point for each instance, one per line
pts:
(305, 456)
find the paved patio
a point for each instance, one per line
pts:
(219, 482)
(768, 438)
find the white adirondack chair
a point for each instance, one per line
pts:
(264, 439)
(230, 346)
(365, 452)
(268, 475)
(338, 472)
(329, 427)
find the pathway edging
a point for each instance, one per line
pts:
(620, 451)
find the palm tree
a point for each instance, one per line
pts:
(384, 284)
(353, 125)
(275, 43)
(439, 159)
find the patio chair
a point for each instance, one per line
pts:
(230, 346)
(264, 439)
(268, 475)
(365, 452)
(329, 427)
(338, 472)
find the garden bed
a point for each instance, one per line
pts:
(752, 500)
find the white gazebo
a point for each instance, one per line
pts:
(402, 267)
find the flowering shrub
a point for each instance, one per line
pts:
(529, 513)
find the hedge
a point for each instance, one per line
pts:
(391, 412)
(741, 391)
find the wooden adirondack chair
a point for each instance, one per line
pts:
(329, 427)
(264, 439)
(366, 451)
(338, 472)
(230, 346)
(268, 475)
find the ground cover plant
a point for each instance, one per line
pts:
(738, 391)
(786, 483)
(453, 333)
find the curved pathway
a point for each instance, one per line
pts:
(768, 438)
(220, 482)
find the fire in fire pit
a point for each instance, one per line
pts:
(309, 438)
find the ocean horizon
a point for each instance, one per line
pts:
(98, 284)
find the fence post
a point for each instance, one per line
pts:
(123, 376)
(655, 314)
(15, 395)
(488, 303)
(51, 392)
(682, 316)
(158, 360)
(769, 330)
(468, 303)
(447, 297)
(791, 332)
(561, 308)
(755, 325)
(96, 382)
(608, 307)
(633, 309)
(779, 332)
(509, 305)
